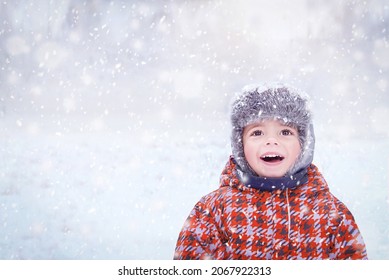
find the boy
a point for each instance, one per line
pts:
(273, 203)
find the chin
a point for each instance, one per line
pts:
(272, 174)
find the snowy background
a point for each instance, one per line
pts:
(114, 114)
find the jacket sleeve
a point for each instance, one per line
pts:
(348, 241)
(201, 237)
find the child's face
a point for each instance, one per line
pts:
(270, 147)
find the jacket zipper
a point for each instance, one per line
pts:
(288, 207)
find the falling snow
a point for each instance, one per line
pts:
(114, 114)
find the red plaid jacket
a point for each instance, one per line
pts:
(237, 222)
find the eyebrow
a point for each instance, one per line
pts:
(251, 126)
(260, 124)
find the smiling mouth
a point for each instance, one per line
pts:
(272, 158)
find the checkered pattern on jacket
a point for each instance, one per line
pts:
(237, 222)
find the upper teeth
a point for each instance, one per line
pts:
(271, 156)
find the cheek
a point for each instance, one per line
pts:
(249, 151)
(296, 150)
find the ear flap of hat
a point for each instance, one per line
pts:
(307, 151)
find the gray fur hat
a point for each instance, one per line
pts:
(279, 102)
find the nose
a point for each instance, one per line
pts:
(271, 141)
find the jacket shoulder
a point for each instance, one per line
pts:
(216, 197)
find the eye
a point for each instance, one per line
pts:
(256, 132)
(287, 132)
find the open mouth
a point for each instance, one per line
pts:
(272, 158)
